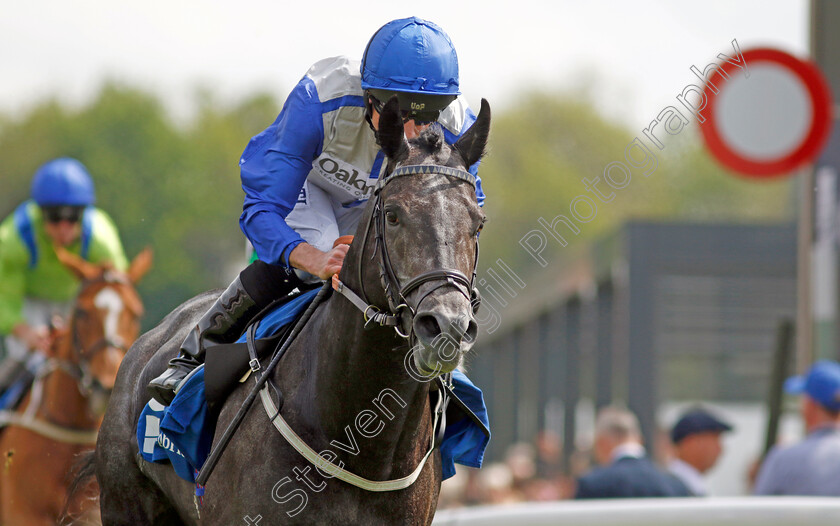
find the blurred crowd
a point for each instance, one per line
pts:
(529, 472)
(615, 464)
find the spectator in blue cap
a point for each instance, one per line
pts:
(697, 446)
(812, 466)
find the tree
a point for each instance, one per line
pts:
(541, 153)
(177, 188)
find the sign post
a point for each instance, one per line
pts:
(771, 122)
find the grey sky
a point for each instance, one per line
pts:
(631, 57)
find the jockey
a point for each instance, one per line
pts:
(307, 176)
(34, 285)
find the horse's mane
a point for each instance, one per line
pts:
(430, 140)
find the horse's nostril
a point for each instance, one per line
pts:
(426, 326)
(433, 329)
(472, 332)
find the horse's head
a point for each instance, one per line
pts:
(105, 320)
(425, 220)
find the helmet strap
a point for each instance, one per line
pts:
(369, 111)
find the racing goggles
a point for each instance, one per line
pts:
(57, 214)
(424, 109)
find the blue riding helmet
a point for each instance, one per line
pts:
(63, 181)
(413, 59)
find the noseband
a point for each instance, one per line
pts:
(396, 294)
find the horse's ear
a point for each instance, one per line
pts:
(472, 144)
(140, 265)
(391, 134)
(84, 270)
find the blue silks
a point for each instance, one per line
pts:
(182, 433)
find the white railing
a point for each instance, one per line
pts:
(736, 511)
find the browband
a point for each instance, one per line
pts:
(418, 169)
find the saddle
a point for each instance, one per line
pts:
(226, 365)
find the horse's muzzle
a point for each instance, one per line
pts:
(443, 338)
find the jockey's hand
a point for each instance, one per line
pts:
(318, 263)
(35, 338)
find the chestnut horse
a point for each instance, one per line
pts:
(59, 418)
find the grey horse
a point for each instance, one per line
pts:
(351, 392)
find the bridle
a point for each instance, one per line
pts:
(78, 367)
(401, 313)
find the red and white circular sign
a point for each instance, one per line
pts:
(772, 122)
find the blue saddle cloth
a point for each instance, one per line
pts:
(182, 433)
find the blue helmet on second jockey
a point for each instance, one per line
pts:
(63, 182)
(415, 60)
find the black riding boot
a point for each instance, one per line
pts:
(253, 290)
(223, 323)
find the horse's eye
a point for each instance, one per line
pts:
(480, 226)
(391, 218)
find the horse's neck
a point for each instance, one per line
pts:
(62, 403)
(357, 384)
